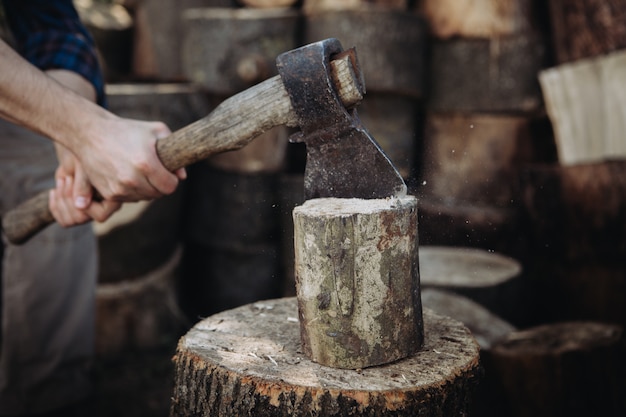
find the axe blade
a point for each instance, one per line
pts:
(349, 163)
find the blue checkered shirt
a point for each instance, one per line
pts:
(50, 35)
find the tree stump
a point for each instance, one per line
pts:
(357, 280)
(248, 362)
(561, 369)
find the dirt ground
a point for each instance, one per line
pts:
(135, 384)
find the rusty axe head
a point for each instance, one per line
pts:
(343, 160)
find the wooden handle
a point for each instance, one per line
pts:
(232, 125)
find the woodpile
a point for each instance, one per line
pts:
(505, 119)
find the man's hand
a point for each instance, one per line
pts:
(71, 203)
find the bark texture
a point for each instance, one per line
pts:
(357, 280)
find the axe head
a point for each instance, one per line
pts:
(343, 160)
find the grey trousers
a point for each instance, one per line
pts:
(48, 291)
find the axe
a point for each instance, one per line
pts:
(317, 89)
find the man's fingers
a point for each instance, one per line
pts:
(82, 192)
(102, 210)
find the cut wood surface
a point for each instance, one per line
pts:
(486, 75)
(476, 18)
(585, 101)
(485, 326)
(488, 278)
(248, 362)
(587, 28)
(357, 280)
(561, 369)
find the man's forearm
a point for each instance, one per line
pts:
(36, 101)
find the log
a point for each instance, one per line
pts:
(140, 313)
(587, 28)
(248, 362)
(499, 74)
(265, 154)
(313, 6)
(577, 212)
(175, 104)
(471, 225)
(488, 278)
(267, 3)
(476, 18)
(583, 100)
(561, 369)
(392, 120)
(357, 280)
(486, 327)
(231, 240)
(228, 50)
(474, 158)
(391, 45)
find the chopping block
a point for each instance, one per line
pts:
(248, 362)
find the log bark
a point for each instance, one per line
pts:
(476, 18)
(357, 280)
(584, 101)
(248, 362)
(498, 75)
(561, 369)
(587, 28)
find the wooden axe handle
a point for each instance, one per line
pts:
(232, 125)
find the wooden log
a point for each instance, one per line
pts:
(471, 225)
(390, 44)
(357, 280)
(474, 158)
(499, 74)
(231, 240)
(265, 154)
(583, 100)
(577, 212)
(560, 369)
(248, 362)
(476, 18)
(267, 3)
(587, 28)
(488, 278)
(314, 6)
(111, 26)
(141, 312)
(175, 104)
(392, 120)
(486, 327)
(158, 35)
(228, 50)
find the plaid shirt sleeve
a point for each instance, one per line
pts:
(50, 35)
